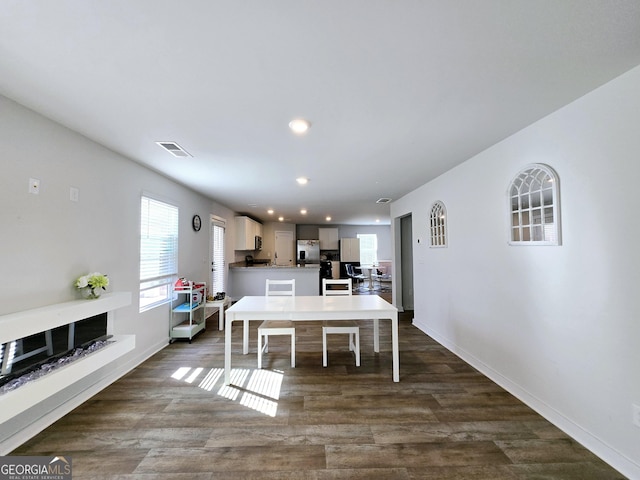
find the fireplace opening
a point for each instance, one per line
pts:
(27, 354)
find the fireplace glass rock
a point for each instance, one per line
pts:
(33, 352)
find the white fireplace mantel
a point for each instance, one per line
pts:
(22, 324)
(28, 322)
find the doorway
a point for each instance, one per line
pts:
(403, 281)
(406, 230)
(284, 248)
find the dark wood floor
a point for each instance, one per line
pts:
(172, 418)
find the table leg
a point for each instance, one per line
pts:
(227, 350)
(396, 348)
(245, 336)
(376, 335)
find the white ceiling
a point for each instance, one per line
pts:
(398, 91)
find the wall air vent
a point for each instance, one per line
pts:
(174, 149)
(383, 200)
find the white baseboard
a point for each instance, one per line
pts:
(39, 424)
(617, 460)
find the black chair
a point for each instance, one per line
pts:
(356, 278)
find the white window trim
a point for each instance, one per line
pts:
(222, 223)
(161, 280)
(555, 206)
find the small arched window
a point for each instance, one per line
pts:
(438, 225)
(534, 207)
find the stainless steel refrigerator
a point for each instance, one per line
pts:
(308, 252)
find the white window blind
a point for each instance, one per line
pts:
(158, 252)
(368, 248)
(217, 256)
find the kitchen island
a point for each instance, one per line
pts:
(251, 280)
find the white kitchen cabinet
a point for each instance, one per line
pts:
(349, 249)
(184, 319)
(247, 229)
(328, 238)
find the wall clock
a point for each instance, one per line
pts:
(196, 223)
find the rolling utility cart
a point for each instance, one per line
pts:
(188, 318)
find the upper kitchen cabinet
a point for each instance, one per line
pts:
(328, 238)
(247, 233)
(349, 249)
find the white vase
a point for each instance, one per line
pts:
(91, 293)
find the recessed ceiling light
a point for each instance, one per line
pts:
(302, 180)
(328, 218)
(281, 219)
(270, 211)
(299, 125)
(377, 220)
(303, 211)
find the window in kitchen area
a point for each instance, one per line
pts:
(158, 252)
(368, 248)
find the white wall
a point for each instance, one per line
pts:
(382, 231)
(47, 241)
(557, 326)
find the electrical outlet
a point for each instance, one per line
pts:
(34, 186)
(636, 415)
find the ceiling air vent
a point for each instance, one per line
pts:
(174, 149)
(383, 200)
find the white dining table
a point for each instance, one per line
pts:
(306, 308)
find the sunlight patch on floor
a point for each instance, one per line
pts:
(258, 390)
(181, 372)
(211, 378)
(194, 375)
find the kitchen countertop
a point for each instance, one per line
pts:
(279, 267)
(245, 280)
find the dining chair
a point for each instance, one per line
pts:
(333, 287)
(277, 327)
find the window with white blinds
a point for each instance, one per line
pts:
(368, 248)
(158, 252)
(217, 256)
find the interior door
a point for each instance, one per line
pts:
(284, 253)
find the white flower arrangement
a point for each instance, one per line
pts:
(92, 284)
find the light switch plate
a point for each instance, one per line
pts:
(636, 415)
(34, 186)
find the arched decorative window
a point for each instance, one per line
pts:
(438, 224)
(534, 207)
